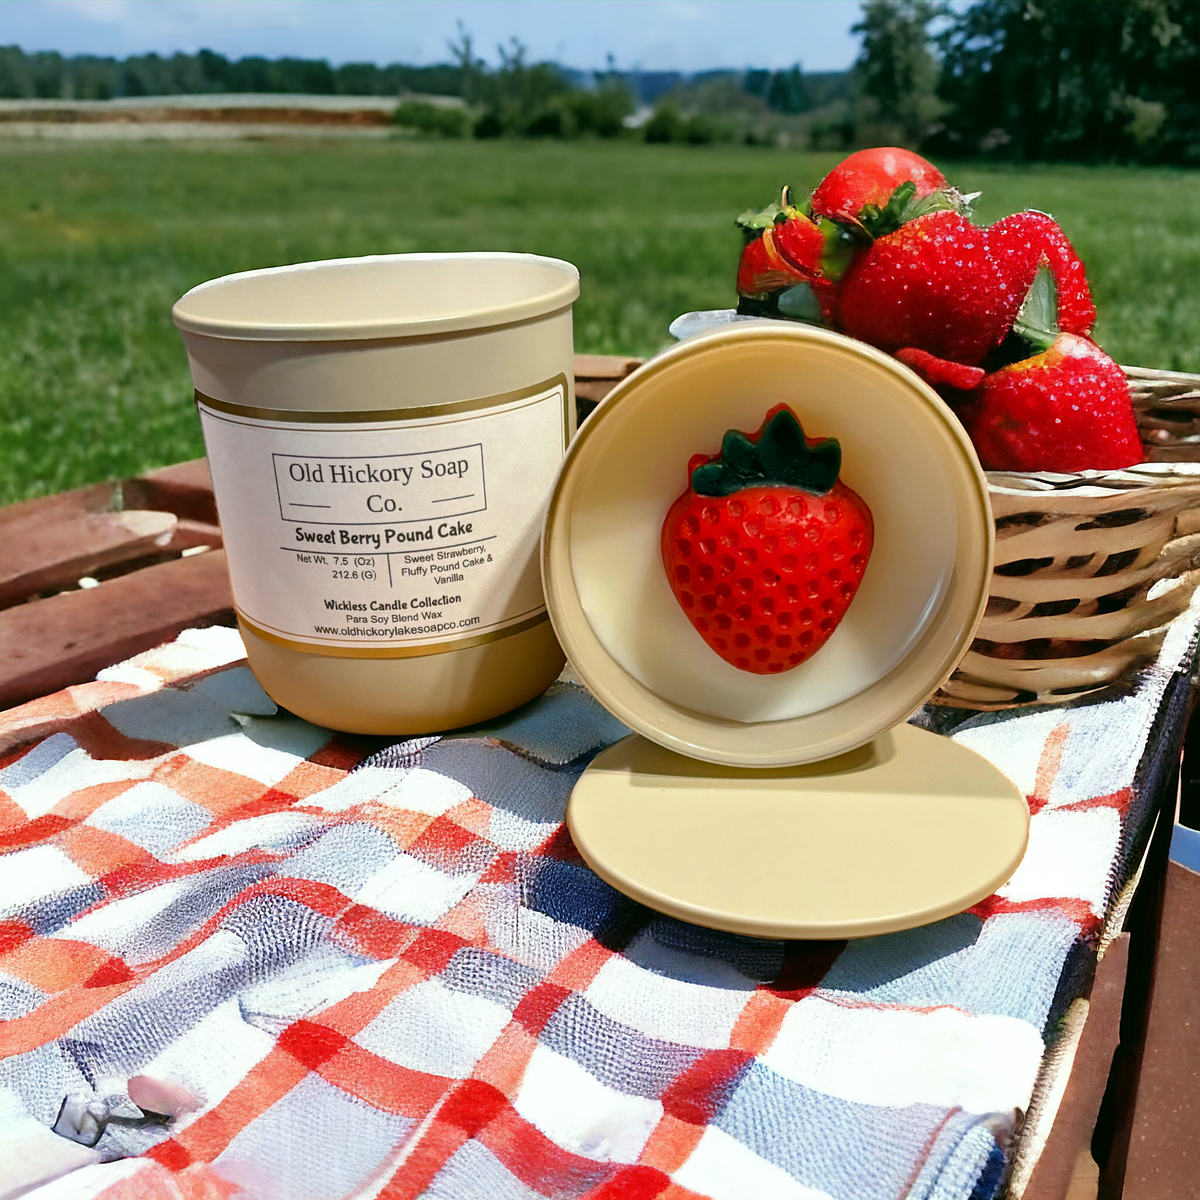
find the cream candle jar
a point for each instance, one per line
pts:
(383, 435)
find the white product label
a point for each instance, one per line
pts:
(396, 535)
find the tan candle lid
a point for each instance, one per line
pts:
(925, 586)
(908, 829)
(795, 805)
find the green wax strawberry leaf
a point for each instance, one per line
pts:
(1037, 319)
(779, 456)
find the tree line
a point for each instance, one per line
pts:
(1057, 80)
(1051, 80)
(46, 75)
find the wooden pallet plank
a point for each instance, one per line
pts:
(1071, 1132)
(596, 375)
(95, 498)
(604, 366)
(1163, 1148)
(184, 489)
(188, 535)
(66, 639)
(46, 552)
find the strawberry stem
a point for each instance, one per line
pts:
(755, 221)
(779, 455)
(879, 222)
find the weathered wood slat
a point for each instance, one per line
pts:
(66, 639)
(43, 553)
(95, 498)
(604, 366)
(596, 375)
(187, 535)
(184, 489)
(1087, 1071)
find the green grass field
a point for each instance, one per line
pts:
(97, 240)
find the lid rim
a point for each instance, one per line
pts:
(549, 302)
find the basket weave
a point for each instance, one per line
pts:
(1167, 406)
(1090, 569)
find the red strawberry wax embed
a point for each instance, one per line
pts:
(766, 548)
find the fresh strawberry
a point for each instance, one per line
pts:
(1021, 243)
(1066, 409)
(781, 269)
(799, 242)
(783, 248)
(763, 270)
(766, 548)
(781, 256)
(939, 372)
(869, 178)
(931, 285)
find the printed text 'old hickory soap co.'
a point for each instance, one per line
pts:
(383, 434)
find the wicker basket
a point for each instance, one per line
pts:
(1090, 568)
(1167, 404)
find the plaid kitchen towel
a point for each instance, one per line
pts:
(383, 971)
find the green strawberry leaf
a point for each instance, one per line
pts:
(945, 199)
(754, 221)
(780, 456)
(1037, 319)
(905, 205)
(841, 244)
(758, 219)
(878, 222)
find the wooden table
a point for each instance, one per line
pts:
(98, 574)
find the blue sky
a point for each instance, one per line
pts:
(685, 35)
